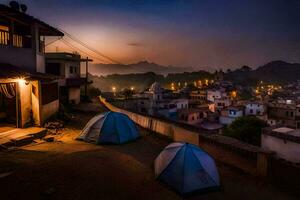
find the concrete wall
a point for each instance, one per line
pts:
(247, 158)
(40, 63)
(25, 102)
(36, 104)
(49, 110)
(285, 149)
(21, 57)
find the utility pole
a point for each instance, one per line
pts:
(86, 75)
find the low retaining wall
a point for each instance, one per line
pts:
(248, 158)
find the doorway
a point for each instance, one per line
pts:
(8, 105)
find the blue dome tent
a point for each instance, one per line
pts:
(186, 168)
(110, 128)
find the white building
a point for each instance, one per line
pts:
(255, 108)
(230, 114)
(67, 67)
(213, 94)
(33, 95)
(221, 103)
(285, 142)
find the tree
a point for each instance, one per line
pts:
(127, 93)
(247, 129)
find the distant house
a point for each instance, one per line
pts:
(255, 108)
(230, 114)
(28, 95)
(285, 114)
(221, 103)
(285, 142)
(213, 94)
(67, 67)
(191, 115)
(197, 97)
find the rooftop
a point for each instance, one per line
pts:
(70, 169)
(66, 56)
(46, 29)
(284, 133)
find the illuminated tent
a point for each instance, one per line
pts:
(186, 168)
(110, 127)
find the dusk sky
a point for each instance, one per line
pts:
(208, 34)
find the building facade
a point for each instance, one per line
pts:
(67, 67)
(28, 95)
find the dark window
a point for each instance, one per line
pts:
(71, 70)
(292, 114)
(287, 113)
(53, 68)
(251, 111)
(49, 93)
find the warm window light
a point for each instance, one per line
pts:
(132, 88)
(114, 88)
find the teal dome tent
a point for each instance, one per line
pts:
(110, 128)
(186, 168)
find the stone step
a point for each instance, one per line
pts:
(21, 137)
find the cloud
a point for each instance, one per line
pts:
(135, 44)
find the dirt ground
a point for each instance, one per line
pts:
(71, 169)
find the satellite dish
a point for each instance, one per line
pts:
(23, 8)
(14, 5)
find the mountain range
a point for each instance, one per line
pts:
(279, 72)
(140, 67)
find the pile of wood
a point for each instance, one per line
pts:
(54, 127)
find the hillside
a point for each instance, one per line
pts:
(140, 67)
(273, 72)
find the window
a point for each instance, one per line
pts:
(292, 114)
(71, 70)
(232, 112)
(287, 113)
(4, 35)
(251, 111)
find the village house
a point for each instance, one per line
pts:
(28, 96)
(228, 115)
(284, 114)
(257, 109)
(197, 97)
(67, 67)
(213, 94)
(191, 115)
(221, 103)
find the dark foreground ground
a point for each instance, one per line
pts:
(70, 169)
